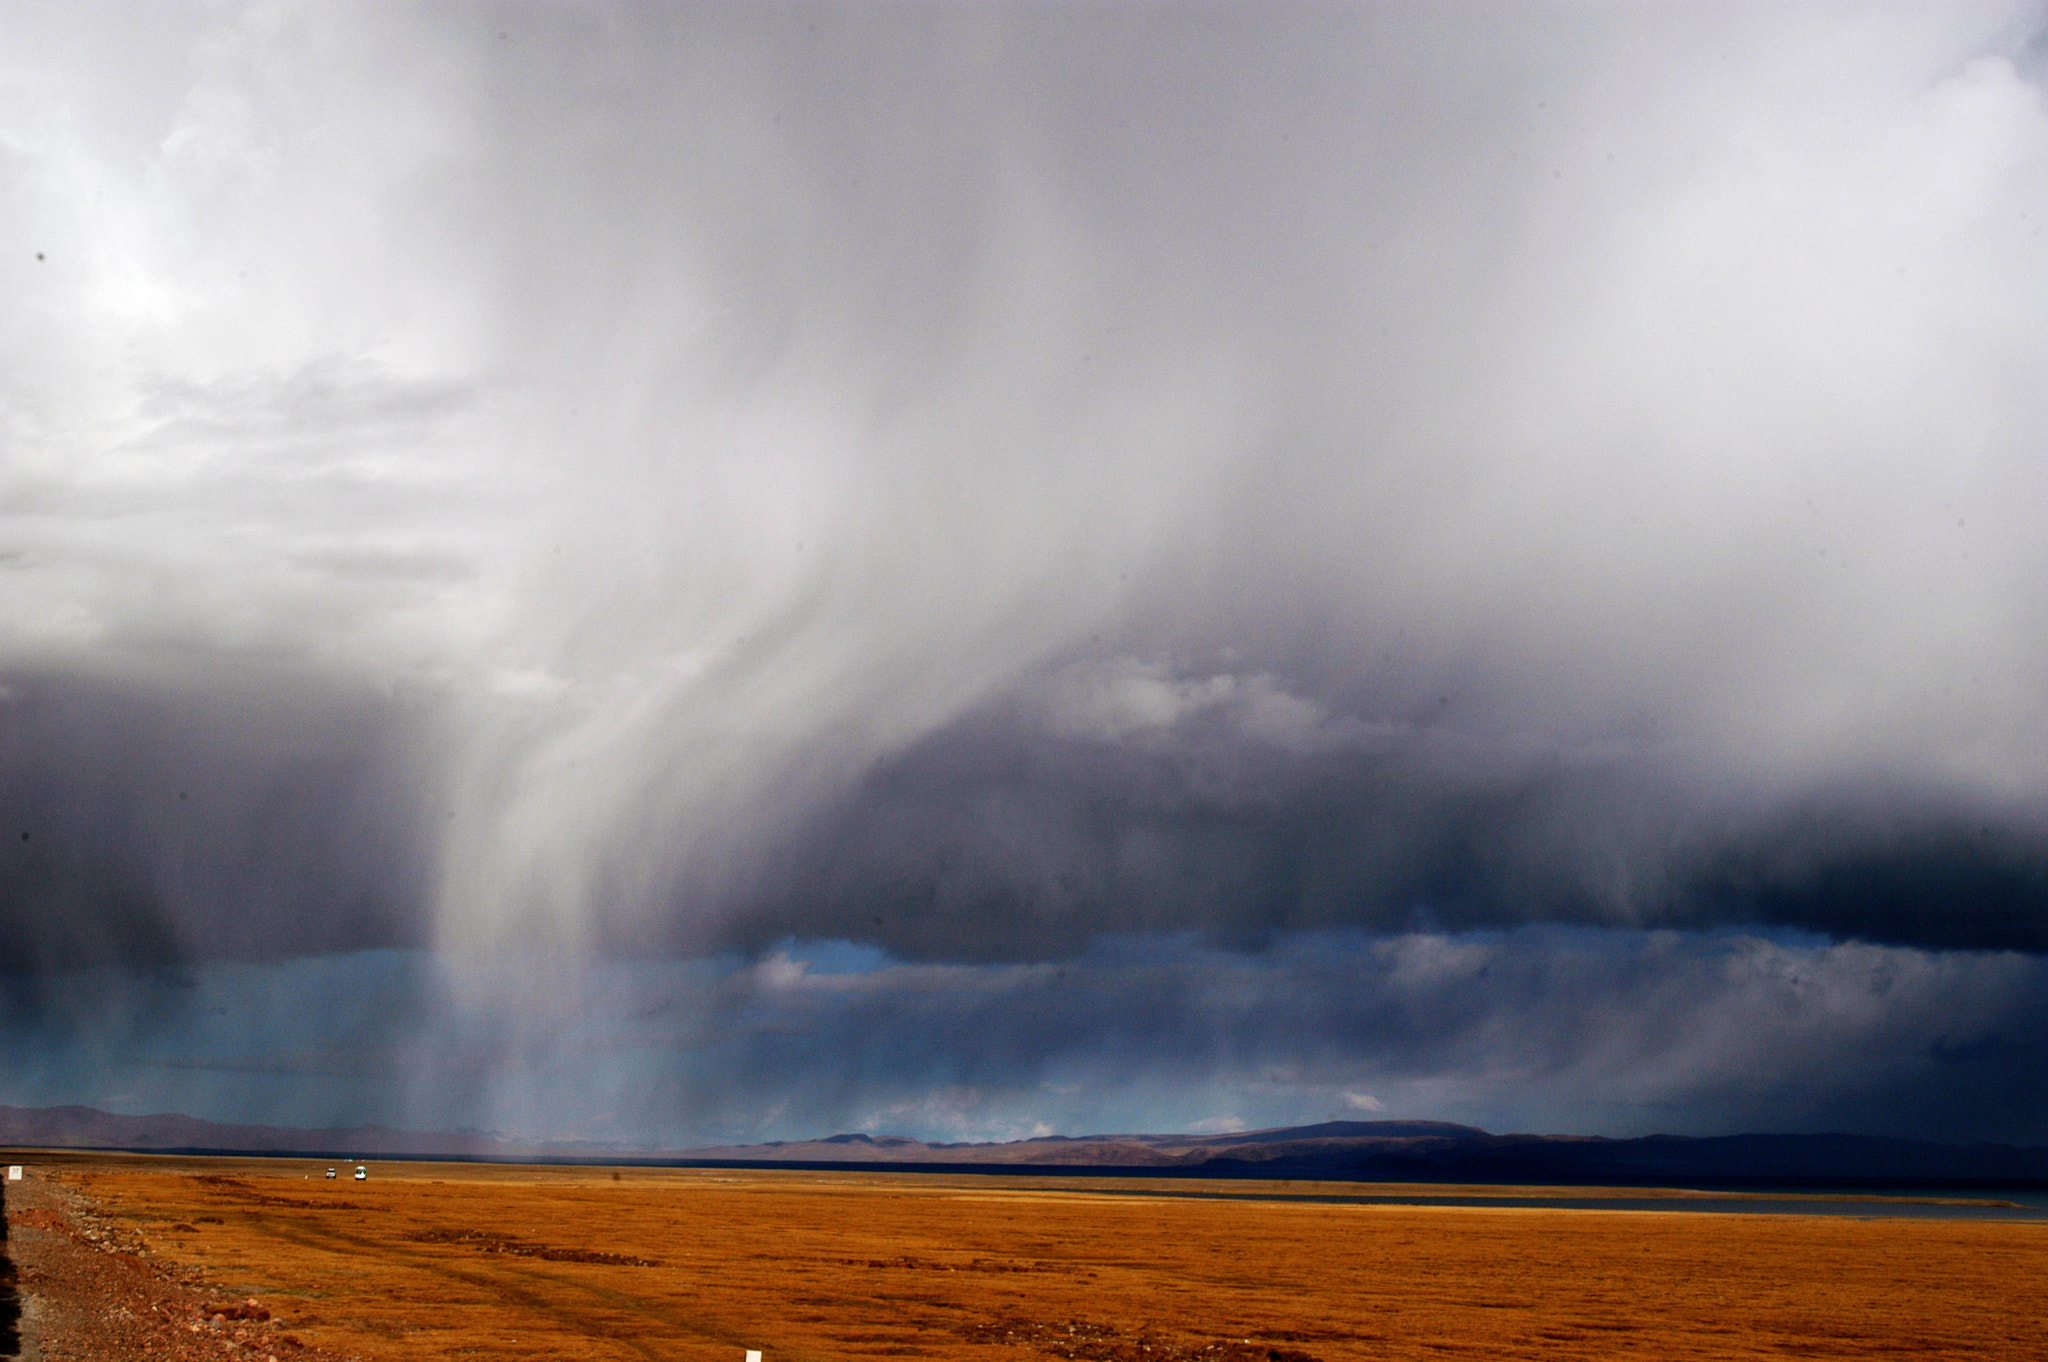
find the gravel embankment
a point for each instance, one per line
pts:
(91, 1291)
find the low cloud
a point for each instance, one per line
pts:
(1600, 1032)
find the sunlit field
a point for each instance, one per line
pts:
(429, 1261)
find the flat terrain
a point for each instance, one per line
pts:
(435, 1261)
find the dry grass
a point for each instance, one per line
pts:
(459, 1261)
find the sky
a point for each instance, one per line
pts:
(686, 573)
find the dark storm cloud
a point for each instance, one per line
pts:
(1001, 840)
(714, 412)
(585, 480)
(239, 815)
(1960, 875)
(1525, 387)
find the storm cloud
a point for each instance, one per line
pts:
(540, 492)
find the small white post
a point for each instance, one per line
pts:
(753, 1355)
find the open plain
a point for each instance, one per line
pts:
(433, 1261)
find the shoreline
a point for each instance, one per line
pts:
(1916, 1201)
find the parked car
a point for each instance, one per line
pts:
(330, 1172)
(362, 1173)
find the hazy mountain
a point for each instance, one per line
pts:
(1432, 1151)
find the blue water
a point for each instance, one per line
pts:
(1888, 1203)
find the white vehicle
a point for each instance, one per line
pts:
(362, 1173)
(330, 1172)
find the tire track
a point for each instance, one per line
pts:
(537, 1291)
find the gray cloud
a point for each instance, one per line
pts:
(248, 815)
(1235, 809)
(583, 481)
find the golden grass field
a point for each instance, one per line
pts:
(435, 1261)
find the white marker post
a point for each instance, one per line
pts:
(753, 1355)
(14, 1172)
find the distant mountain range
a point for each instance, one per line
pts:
(1436, 1151)
(1352, 1151)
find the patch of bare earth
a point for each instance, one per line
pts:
(1095, 1342)
(91, 1291)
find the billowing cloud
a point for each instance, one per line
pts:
(556, 487)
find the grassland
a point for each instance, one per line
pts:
(437, 1261)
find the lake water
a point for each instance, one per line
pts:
(1887, 1203)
